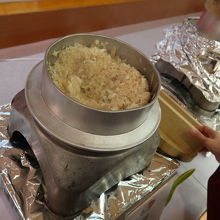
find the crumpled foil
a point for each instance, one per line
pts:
(21, 179)
(189, 65)
(195, 56)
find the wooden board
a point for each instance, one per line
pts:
(26, 22)
(175, 124)
(23, 7)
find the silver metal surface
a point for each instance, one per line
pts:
(83, 117)
(82, 151)
(193, 60)
(74, 176)
(203, 104)
(77, 138)
(21, 179)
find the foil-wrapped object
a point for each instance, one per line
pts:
(196, 60)
(189, 65)
(21, 179)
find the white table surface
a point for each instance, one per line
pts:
(190, 198)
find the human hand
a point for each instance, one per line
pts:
(209, 138)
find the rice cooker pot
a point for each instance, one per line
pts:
(92, 120)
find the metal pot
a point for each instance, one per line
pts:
(89, 119)
(83, 151)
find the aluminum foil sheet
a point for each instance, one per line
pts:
(189, 65)
(21, 179)
(197, 57)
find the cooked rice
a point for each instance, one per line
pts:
(97, 79)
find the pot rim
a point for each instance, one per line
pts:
(75, 137)
(45, 64)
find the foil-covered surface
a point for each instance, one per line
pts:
(189, 64)
(21, 180)
(197, 57)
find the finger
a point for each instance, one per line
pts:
(198, 135)
(209, 132)
(200, 128)
(204, 150)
